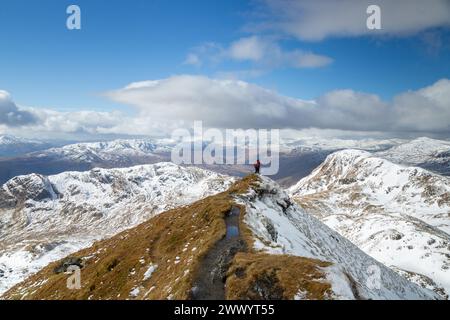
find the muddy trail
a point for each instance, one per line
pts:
(210, 280)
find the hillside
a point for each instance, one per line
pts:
(44, 218)
(249, 242)
(398, 215)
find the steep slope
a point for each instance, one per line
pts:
(430, 154)
(398, 215)
(43, 219)
(86, 156)
(281, 253)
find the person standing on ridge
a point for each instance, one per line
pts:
(257, 166)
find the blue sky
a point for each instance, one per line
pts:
(42, 64)
(120, 42)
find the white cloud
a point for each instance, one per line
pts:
(84, 124)
(427, 109)
(316, 20)
(90, 122)
(251, 48)
(310, 60)
(269, 53)
(238, 104)
(193, 59)
(264, 52)
(10, 114)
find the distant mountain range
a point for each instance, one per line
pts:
(13, 146)
(297, 158)
(85, 156)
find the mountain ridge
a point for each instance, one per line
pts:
(159, 258)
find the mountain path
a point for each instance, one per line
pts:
(211, 276)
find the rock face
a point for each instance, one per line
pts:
(26, 188)
(43, 219)
(164, 257)
(398, 215)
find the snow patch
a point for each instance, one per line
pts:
(152, 268)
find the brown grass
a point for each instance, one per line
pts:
(257, 276)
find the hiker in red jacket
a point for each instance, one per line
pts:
(257, 166)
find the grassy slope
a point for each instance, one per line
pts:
(114, 267)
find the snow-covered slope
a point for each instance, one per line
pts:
(424, 152)
(282, 227)
(45, 218)
(398, 215)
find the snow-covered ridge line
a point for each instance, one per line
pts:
(340, 144)
(109, 150)
(282, 227)
(44, 218)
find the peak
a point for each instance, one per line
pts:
(347, 156)
(351, 153)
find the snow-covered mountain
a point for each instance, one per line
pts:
(86, 156)
(12, 146)
(272, 250)
(398, 215)
(282, 227)
(299, 157)
(430, 154)
(333, 144)
(109, 151)
(44, 218)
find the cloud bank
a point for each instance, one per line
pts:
(239, 104)
(161, 106)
